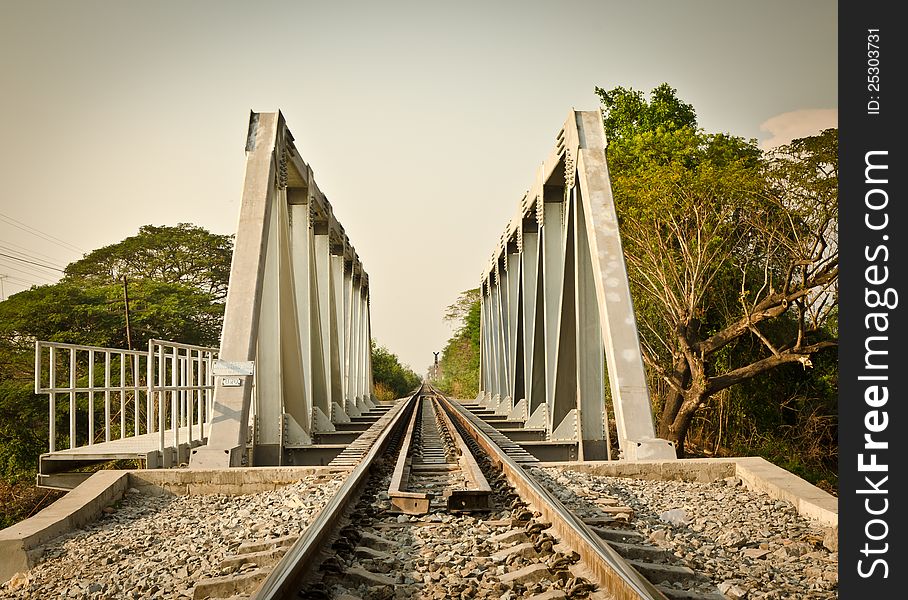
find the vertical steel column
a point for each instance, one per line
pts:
(269, 391)
(563, 408)
(293, 410)
(300, 245)
(322, 397)
(499, 313)
(338, 345)
(552, 275)
(590, 356)
(349, 343)
(354, 403)
(485, 375)
(512, 265)
(495, 340)
(363, 347)
(363, 392)
(533, 376)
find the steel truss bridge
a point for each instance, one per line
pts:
(291, 383)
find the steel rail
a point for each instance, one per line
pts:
(478, 494)
(411, 503)
(610, 571)
(301, 555)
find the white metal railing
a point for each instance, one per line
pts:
(139, 392)
(183, 372)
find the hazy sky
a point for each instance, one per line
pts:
(423, 121)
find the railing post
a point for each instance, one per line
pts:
(72, 398)
(136, 360)
(122, 393)
(52, 400)
(159, 382)
(91, 397)
(174, 404)
(106, 394)
(149, 381)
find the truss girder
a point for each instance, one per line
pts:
(294, 354)
(557, 317)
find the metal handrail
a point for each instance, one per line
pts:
(181, 370)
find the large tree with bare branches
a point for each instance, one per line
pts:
(732, 252)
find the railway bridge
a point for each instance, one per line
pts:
(509, 494)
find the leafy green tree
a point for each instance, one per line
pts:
(733, 266)
(390, 378)
(94, 313)
(185, 254)
(459, 363)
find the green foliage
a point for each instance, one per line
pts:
(390, 378)
(23, 430)
(94, 313)
(185, 254)
(732, 256)
(459, 363)
(628, 112)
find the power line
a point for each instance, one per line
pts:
(21, 280)
(24, 251)
(24, 255)
(31, 262)
(41, 234)
(47, 278)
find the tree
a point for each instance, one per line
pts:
(185, 254)
(177, 280)
(390, 378)
(731, 254)
(459, 362)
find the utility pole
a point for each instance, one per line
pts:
(126, 298)
(435, 374)
(2, 293)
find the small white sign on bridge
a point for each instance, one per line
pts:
(233, 368)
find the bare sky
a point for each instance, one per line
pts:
(424, 121)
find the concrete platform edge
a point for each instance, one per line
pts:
(20, 544)
(755, 473)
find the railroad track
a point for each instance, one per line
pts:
(439, 505)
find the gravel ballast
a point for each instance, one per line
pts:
(749, 544)
(158, 546)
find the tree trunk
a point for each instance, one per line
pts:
(679, 428)
(674, 399)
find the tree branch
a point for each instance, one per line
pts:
(716, 384)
